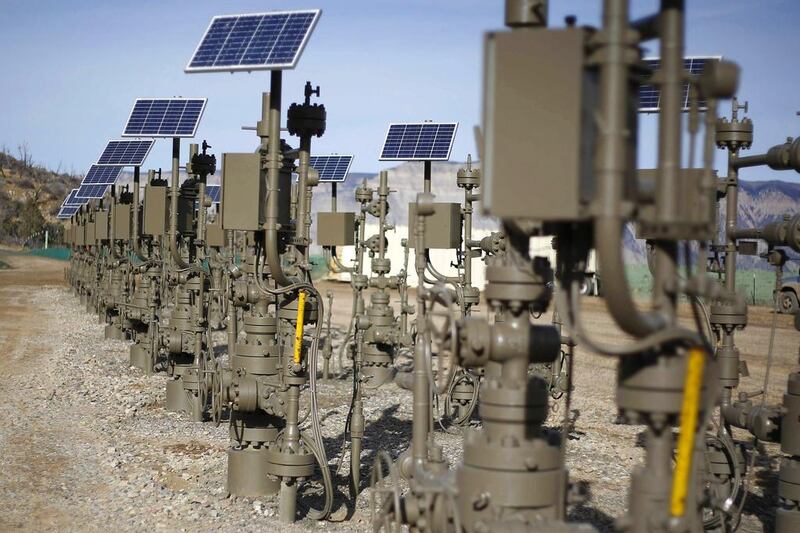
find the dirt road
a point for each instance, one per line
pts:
(86, 442)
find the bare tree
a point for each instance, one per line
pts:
(25, 156)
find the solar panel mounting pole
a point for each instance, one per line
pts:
(173, 214)
(135, 240)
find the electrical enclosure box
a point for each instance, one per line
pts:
(442, 228)
(538, 126)
(186, 214)
(244, 191)
(696, 216)
(215, 236)
(80, 234)
(122, 222)
(336, 229)
(91, 237)
(156, 221)
(101, 225)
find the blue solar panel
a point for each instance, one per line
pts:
(71, 199)
(650, 95)
(331, 167)
(97, 181)
(164, 117)
(212, 191)
(125, 153)
(67, 211)
(259, 41)
(92, 191)
(420, 141)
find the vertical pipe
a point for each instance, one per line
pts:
(611, 165)
(287, 503)
(136, 203)
(421, 411)
(426, 176)
(302, 191)
(173, 205)
(271, 107)
(731, 215)
(669, 149)
(467, 242)
(333, 197)
(233, 324)
(383, 193)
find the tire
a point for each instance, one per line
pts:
(788, 303)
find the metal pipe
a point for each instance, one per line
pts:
(749, 161)
(426, 176)
(383, 193)
(468, 199)
(610, 166)
(421, 410)
(112, 213)
(173, 205)
(731, 215)
(135, 245)
(271, 110)
(669, 150)
(233, 325)
(302, 190)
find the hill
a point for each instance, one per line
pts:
(760, 202)
(30, 196)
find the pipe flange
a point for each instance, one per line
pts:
(306, 120)
(734, 134)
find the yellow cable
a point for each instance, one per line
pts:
(688, 429)
(298, 331)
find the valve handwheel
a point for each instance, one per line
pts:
(217, 402)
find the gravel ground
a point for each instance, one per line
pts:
(87, 442)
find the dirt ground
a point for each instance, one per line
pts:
(87, 444)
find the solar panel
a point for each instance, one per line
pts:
(164, 117)
(258, 41)
(97, 181)
(419, 141)
(72, 199)
(212, 191)
(650, 95)
(331, 167)
(125, 152)
(67, 211)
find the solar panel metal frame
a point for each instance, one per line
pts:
(165, 135)
(246, 68)
(127, 163)
(321, 171)
(650, 109)
(449, 148)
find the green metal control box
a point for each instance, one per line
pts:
(538, 127)
(215, 235)
(156, 220)
(442, 228)
(336, 229)
(101, 225)
(244, 190)
(122, 222)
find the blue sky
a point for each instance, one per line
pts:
(72, 69)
